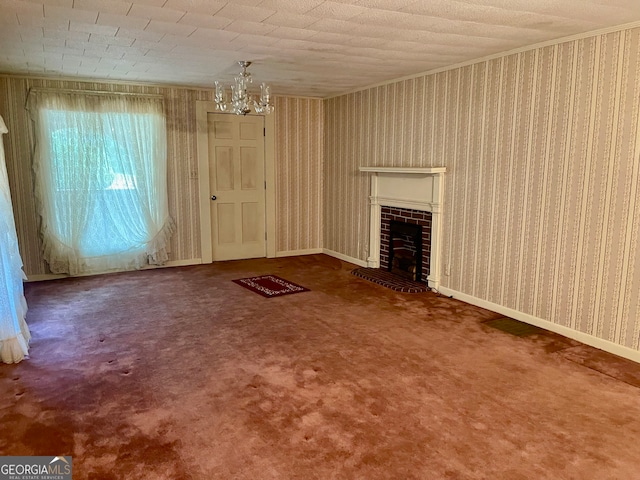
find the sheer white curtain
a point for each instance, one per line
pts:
(101, 180)
(14, 333)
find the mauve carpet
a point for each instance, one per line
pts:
(179, 373)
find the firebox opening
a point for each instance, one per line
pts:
(414, 222)
(405, 250)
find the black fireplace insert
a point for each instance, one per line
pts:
(405, 249)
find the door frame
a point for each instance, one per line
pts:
(203, 108)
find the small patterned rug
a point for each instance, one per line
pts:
(270, 286)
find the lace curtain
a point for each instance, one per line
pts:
(14, 333)
(101, 174)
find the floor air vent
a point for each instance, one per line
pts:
(514, 327)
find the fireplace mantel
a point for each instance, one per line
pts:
(416, 188)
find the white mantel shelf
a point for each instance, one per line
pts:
(416, 188)
(406, 170)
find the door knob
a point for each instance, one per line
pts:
(213, 197)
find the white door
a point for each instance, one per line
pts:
(236, 171)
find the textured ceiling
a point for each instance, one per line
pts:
(302, 47)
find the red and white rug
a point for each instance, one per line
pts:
(270, 286)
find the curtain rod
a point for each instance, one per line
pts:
(91, 92)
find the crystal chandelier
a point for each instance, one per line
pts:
(241, 102)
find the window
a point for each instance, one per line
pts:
(100, 167)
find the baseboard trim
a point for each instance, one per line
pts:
(585, 338)
(174, 263)
(345, 258)
(295, 253)
(44, 277)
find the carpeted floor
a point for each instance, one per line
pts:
(179, 373)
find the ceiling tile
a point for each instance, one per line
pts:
(31, 33)
(108, 62)
(66, 34)
(292, 33)
(205, 20)
(65, 13)
(302, 45)
(10, 34)
(248, 41)
(89, 28)
(170, 28)
(155, 13)
(9, 18)
(16, 6)
(115, 53)
(15, 59)
(33, 45)
(70, 59)
(126, 50)
(155, 46)
(134, 56)
(116, 7)
(122, 69)
(248, 3)
(343, 39)
(53, 59)
(56, 3)
(53, 43)
(86, 47)
(208, 36)
(291, 6)
(293, 20)
(88, 62)
(153, 3)
(240, 26)
(388, 4)
(122, 21)
(196, 6)
(24, 19)
(249, 14)
(340, 11)
(334, 26)
(111, 40)
(139, 34)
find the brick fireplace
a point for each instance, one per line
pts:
(414, 196)
(413, 218)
